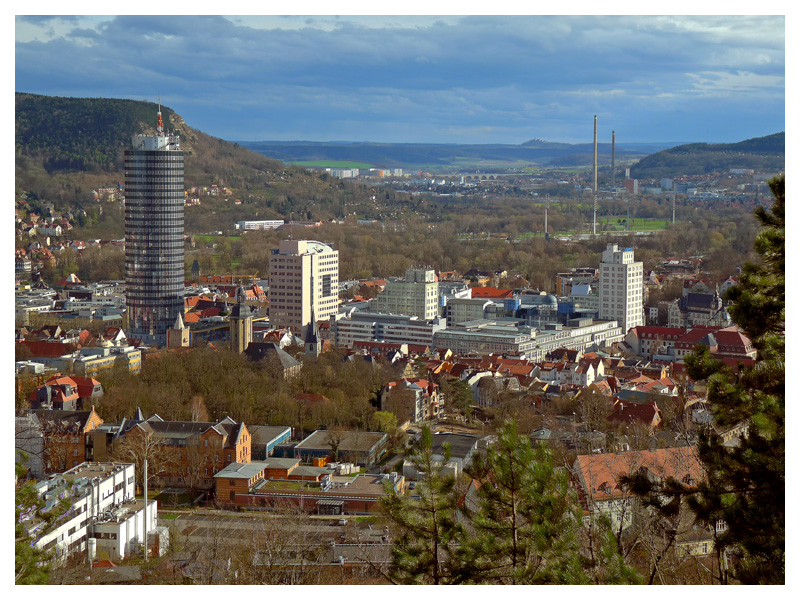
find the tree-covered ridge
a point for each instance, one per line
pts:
(81, 134)
(91, 134)
(766, 153)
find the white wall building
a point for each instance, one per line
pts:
(415, 295)
(621, 287)
(394, 329)
(258, 225)
(104, 509)
(303, 284)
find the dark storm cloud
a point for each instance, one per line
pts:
(489, 79)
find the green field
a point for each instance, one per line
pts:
(617, 223)
(210, 239)
(333, 164)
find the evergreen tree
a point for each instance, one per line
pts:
(426, 530)
(523, 529)
(745, 485)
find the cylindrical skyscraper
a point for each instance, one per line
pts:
(154, 227)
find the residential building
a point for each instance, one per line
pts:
(65, 434)
(596, 477)
(29, 444)
(621, 287)
(415, 295)
(303, 284)
(422, 401)
(154, 232)
(105, 520)
(698, 310)
(191, 453)
(66, 393)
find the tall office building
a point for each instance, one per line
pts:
(621, 287)
(154, 269)
(303, 284)
(416, 295)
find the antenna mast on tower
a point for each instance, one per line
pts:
(160, 126)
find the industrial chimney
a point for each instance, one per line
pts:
(613, 180)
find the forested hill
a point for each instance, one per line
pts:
(57, 135)
(766, 153)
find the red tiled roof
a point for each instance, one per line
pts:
(491, 292)
(601, 472)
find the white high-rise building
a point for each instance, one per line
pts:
(303, 284)
(621, 288)
(417, 295)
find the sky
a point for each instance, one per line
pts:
(473, 79)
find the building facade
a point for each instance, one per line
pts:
(154, 231)
(393, 329)
(303, 284)
(105, 520)
(415, 295)
(621, 288)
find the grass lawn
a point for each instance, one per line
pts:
(636, 224)
(210, 239)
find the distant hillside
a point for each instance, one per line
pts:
(762, 154)
(446, 155)
(58, 137)
(68, 147)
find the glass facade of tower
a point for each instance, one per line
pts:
(154, 231)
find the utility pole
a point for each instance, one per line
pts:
(546, 206)
(144, 524)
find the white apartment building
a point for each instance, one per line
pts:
(303, 284)
(621, 288)
(258, 225)
(417, 294)
(106, 519)
(394, 329)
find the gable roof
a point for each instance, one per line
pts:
(600, 472)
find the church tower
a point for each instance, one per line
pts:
(241, 320)
(178, 334)
(312, 342)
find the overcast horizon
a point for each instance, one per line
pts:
(425, 79)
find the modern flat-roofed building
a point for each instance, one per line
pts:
(105, 519)
(258, 225)
(303, 284)
(361, 447)
(395, 329)
(154, 231)
(415, 295)
(510, 336)
(621, 288)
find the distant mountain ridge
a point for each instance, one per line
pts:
(766, 153)
(412, 155)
